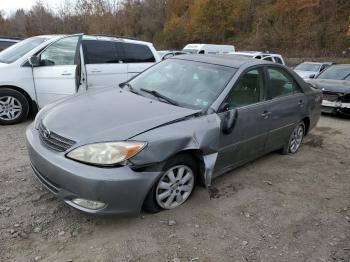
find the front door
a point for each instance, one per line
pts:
(59, 70)
(247, 140)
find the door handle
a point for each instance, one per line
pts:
(301, 103)
(265, 114)
(95, 71)
(66, 74)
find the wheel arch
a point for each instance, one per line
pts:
(306, 121)
(33, 106)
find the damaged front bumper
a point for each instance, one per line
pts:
(90, 189)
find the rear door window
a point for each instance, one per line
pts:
(136, 53)
(280, 83)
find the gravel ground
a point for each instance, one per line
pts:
(278, 208)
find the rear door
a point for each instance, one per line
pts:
(287, 106)
(249, 135)
(105, 65)
(59, 71)
(138, 57)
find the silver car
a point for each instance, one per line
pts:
(183, 122)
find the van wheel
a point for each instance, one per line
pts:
(174, 186)
(14, 107)
(295, 140)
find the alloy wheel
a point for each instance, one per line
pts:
(175, 186)
(10, 108)
(296, 139)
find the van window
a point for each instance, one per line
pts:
(101, 52)
(278, 60)
(135, 53)
(268, 58)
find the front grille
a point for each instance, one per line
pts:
(53, 140)
(330, 97)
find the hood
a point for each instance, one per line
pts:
(305, 74)
(337, 86)
(109, 115)
(3, 65)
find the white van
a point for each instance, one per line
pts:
(208, 49)
(43, 69)
(276, 58)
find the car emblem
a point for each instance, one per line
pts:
(46, 133)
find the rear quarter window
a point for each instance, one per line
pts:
(137, 53)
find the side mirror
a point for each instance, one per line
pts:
(312, 76)
(229, 120)
(34, 61)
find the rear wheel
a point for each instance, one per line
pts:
(14, 107)
(174, 186)
(295, 140)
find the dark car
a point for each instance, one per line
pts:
(335, 85)
(6, 42)
(184, 121)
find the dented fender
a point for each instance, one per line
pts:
(198, 133)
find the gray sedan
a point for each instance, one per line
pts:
(183, 122)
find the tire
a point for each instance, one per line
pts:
(295, 140)
(173, 188)
(14, 107)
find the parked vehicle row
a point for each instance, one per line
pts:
(308, 70)
(43, 69)
(183, 121)
(159, 129)
(335, 85)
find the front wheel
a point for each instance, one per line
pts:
(295, 140)
(174, 186)
(14, 107)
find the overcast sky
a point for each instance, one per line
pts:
(10, 6)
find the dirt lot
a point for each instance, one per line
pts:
(279, 208)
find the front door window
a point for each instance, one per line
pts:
(249, 89)
(62, 52)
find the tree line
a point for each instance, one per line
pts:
(291, 27)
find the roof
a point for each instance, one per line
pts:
(235, 61)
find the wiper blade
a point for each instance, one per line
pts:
(159, 95)
(130, 87)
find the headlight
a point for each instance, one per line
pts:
(106, 154)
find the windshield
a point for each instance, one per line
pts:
(191, 51)
(336, 73)
(188, 84)
(16, 51)
(308, 67)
